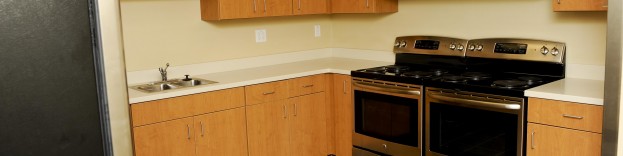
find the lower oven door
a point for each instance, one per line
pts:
(464, 123)
(388, 117)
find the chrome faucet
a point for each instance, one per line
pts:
(163, 73)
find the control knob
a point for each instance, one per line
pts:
(479, 47)
(397, 44)
(544, 50)
(555, 51)
(403, 44)
(460, 47)
(471, 47)
(452, 46)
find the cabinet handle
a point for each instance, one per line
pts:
(295, 110)
(285, 113)
(307, 86)
(188, 131)
(254, 5)
(532, 141)
(344, 87)
(299, 4)
(268, 93)
(572, 116)
(264, 5)
(558, 1)
(201, 122)
(368, 3)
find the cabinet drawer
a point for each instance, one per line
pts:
(220, 100)
(566, 114)
(555, 141)
(307, 85)
(266, 92)
(165, 109)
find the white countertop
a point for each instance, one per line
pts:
(572, 90)
(250, 76)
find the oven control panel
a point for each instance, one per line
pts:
(517, 49)
(431, 45)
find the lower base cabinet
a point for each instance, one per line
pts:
(555, 141)
(165, 139)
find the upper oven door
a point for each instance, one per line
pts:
(463, 123)
(388, 111)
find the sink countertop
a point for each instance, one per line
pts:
(244, 77)
(583, 91)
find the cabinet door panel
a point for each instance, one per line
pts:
(215, 101)
(554, 141)
(221, 133)
(351, 6)
(231, 9)
(169, 138)
(580, 5)
(305, 7)
(308, 132)
(163, 110)
(267, 129)
(277, 7)
(344, 114)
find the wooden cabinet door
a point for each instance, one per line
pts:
(344, 114)
(221, 133)
(351, 6)
(170, 138)
(306, 7)
(276, 7)
(268, 129)
(555, 141)
(230, 9)
(308, 125)
(580, 5)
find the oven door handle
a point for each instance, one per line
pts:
(383, 88)
(479, 103)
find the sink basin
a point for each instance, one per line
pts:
(171, 84)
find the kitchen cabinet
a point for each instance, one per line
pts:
(306, 85)
(580, 5)
(295, 126)
(165, 139)
(307, 7)
(266, 92)
(221, 133)
(364, 6)
(563, 128)
(235, 9)
(342, 100)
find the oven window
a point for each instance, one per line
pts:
(386, 117)
(466, 131)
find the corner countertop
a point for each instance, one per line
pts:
(244, 77)
(584, 91)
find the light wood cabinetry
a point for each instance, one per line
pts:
(266, 92)
(165, 139)
(580, 5)
(344, 114)
(307, 7)
(561, 128)
(268, 129)
(308, 125)
(364, 6)
(236, 9)
(221, 133)
(307, 85)
(163, 110)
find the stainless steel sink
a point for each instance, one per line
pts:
(170, 85)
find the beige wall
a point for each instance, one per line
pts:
(584, 32)
(112, 46)
(160, 31)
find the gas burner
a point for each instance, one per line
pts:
(452, 79)
(418, 74)
(439, 72)
(380, 70)
(476, 76)
(396, 68)
(531, 79)
(510, 84)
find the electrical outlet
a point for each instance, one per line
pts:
(317, 30)
(260, 35)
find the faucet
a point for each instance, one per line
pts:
(163, 73)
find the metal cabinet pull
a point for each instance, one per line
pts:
(285, 113)
(307, 86)
(254, 6)
(299, 4)
(268, 93)
(558, 1)
(532, 141)
(295, 110)
(572, 116)
(188, 130)
(264, 5)
(368, 3)
(344, 86)
(201, 123)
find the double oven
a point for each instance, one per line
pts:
(447, 96)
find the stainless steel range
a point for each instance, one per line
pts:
(449, 96)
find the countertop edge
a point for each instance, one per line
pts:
(564, 97)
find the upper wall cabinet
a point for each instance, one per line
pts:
(306, 7)
(234, 9)
(580, 5)
(364, 6)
